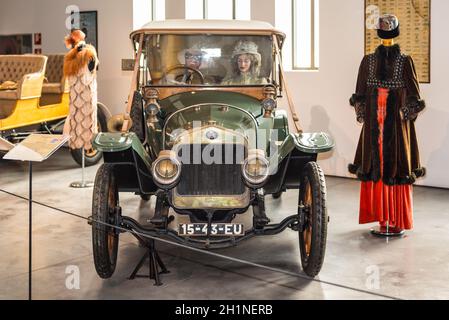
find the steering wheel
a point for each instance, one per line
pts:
(181, 66)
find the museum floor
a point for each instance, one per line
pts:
(356, 263)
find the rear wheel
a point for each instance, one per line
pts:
(92, 156)
(313, 213)
(105, 209)
(277, 195)
(145, 197)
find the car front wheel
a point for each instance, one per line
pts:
(105, 210)
(313, 214)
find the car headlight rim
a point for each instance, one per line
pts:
(160, 176)
(258, 174)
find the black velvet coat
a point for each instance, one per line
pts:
(388, 68)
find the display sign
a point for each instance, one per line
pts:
(36, 147)
(5, 145)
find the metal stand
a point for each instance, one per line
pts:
(155, 262)
(30, 228)
(386, 231)
(82, 184)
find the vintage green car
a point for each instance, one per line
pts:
(202, 133)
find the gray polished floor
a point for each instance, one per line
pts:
(357, 265)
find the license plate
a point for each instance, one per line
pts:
(216, 229)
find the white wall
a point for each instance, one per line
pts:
(114, 25)
(321, 97)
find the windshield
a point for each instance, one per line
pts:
(209, 60)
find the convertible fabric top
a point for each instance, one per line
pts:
(245, 27)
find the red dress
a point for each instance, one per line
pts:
(381, 202)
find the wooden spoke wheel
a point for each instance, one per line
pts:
(105, 204)
(312, 212)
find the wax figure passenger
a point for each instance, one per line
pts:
(246, 62)
(80, 66)
(387, 101)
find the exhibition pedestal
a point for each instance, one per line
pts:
(155, 262)
(82, 183)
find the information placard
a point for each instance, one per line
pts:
(36, 147)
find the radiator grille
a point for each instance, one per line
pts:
(201, 177)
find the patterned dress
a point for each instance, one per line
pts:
(81, 123)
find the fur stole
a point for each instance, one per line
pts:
(386, 57)
(79, 57)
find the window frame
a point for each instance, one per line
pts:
(205, 9)
(152, 15)
(313, 63)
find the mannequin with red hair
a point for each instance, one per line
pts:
(80, 66)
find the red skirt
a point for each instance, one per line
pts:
(381, 202)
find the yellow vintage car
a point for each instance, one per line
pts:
(34, 98)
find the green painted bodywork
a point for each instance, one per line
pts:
(118, 142)
(285, 141)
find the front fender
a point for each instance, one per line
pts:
(313, 142)
(309, 143)
(110, 142)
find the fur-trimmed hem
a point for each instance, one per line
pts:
(352, 168)
(364, 177)
(420, 172)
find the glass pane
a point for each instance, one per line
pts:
(302, 34)
(317, 33)
(141, 13)
(159, 9)
(243, 9)
(210, 60)
(194, 9)
(219, 9)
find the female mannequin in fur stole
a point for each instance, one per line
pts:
(387, 101)
(80, 65)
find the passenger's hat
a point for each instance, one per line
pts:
(388, 26)
(246, 47)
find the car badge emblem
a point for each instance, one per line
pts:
(211, 135)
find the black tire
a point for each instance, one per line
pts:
(104, 238)
(277, 195)
(92, 156)
(312, 237)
